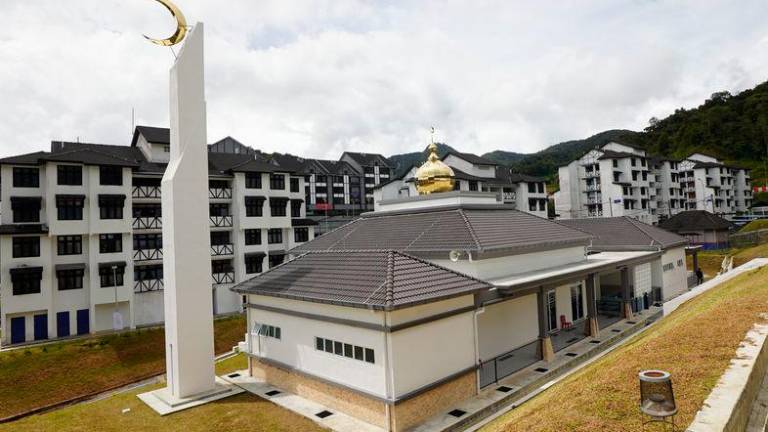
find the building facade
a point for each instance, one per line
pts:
(81, 233)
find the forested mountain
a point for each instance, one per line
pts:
(731, 127)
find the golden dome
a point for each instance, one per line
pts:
(434, 176)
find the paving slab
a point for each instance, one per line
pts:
(159, 401)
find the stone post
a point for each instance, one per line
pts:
(546, 350)
(591, 326)
(626, 293)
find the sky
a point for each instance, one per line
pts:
(316, 78)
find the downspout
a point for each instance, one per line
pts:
(478, 361)
(389, 373)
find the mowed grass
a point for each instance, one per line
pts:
(695, 343)
(243, 412)
(710, 261)
(39, 376)
(755, 225)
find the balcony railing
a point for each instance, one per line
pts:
(219, 193)
(595, 214)
(146, 223)
(597, 200)
(591, 174)
(222, 249)
(220, 221)
(509, 196)
(147, 254)
(223, 278)
(140, 286)
(146, 192)
(592, 188)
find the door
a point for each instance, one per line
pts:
(551, 311)
(18, 330)
(83, 322)
(62, 324)
(41, 327)
(577, 303)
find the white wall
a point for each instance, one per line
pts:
(493, 268)
(675, 281)
(642, 279)
(507, 325)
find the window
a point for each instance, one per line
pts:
(70, 207)
(345, 350)
(221, 266)
(26, 177)
(219, 238)
(110, 176)
(274, 235)
(296, 206)
(277, 181)
(166, 149)
(294, 184)
(219, 209)
(531, 187)
(253, 237)
(267, 330)
(110, 243)
(252, 180)
(634, 162)
(634, 175)
(300, 235)
(254, 206)
(24, 247)
(150, 272)
(615, 163)
(111, 206)
(148, 241)
(71, 175)
(473, 185)
(253, 263)
(111, 274)
(69, 245)
(26, 280)
(70, 279)
(277, 206)
(25, 209)
(276, 260)
(532, 204)
(540, 187)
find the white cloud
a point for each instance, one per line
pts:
(319, 77)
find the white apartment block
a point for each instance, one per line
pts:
(622, 180)
(80, 233)
(477, 174)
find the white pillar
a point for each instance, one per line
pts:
(186, 239)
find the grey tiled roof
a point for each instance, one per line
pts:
(153, 134)
(470, 157)
(695, 220)
(383, 280)
(464, 228)
(367, 159)
(24, 159)
(625, 232)
(611, 154)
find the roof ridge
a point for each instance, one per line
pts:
(344, 237)
(389, 281)
(471, 229)
(637, 224)
(85, 149)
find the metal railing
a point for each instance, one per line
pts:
(140, 223)
(591, 174)
(223, 278)
(219, 193)
(145, 192)
(220, 221)
(147, 254)
(506, 364)
(147, 285)
(222, 249)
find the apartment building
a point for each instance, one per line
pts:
(81, 242)
(375, 168)
(622, 180)
(477, 174)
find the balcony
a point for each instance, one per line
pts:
(593, 188)
(222, 249)
(147, 223)
(147, 285)
(508, 197)
(148, 192)
(219, 193)
(596, 200)
(220, 221)
(147, 254)
(223, 278)
(592, 174)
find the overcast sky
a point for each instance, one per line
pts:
(317, 78)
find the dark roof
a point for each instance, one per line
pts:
(475, 228)
(383, 280)
(287, 161)
(471, 158)
(25, 159)
(624, 233)
(303, 222)
(221, 163)
(707, 165)
(89, 156)
(332, 167)
(610, 154)
(506, 175)
(152, 134)
(367, 159)
(695, 220)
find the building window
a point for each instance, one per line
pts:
(219, 238)
(300, 235)
(25, 247)
(294, 184)
(345, 350)
(218, 209)
(532, 204)
(71, 175)
(541, 187)
(111, 206)
(26, 280)
(166, 149)
(69, 245)
(110, 276)
(679, 263)
(277, 206)
(274, 235)
(577, 303)
(253, 263)
(277, 181)
(151, 272)
(267, 330)
(110, 243)
(25, 209)
(70, 207)
(70, 279)
(276, 260)
(221, 266)
(252, 180)
(531, 187)
(457, 185)
(252, 237)
(296, 206)
(473, 185)
(26, 177)
(110, 176)
(254, 206)
(148, 241)
(615, 163)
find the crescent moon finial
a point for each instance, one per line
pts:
(181, 26)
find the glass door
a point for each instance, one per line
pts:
(577, 302)
(551, 311)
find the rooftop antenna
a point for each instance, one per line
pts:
(133, 122)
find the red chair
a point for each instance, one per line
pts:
(565, 324)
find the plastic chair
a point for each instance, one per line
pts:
(565, 324)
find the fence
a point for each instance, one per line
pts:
(506, 364)
(752, 238)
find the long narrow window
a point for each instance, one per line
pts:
(577, 302)
(345, 350)
(69, 245)
(25, 247)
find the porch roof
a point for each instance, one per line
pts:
(595, 263)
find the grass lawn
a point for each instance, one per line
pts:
(710, 261)
(695, 343)
(755, 225)
(243, 412)
(39, 376)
